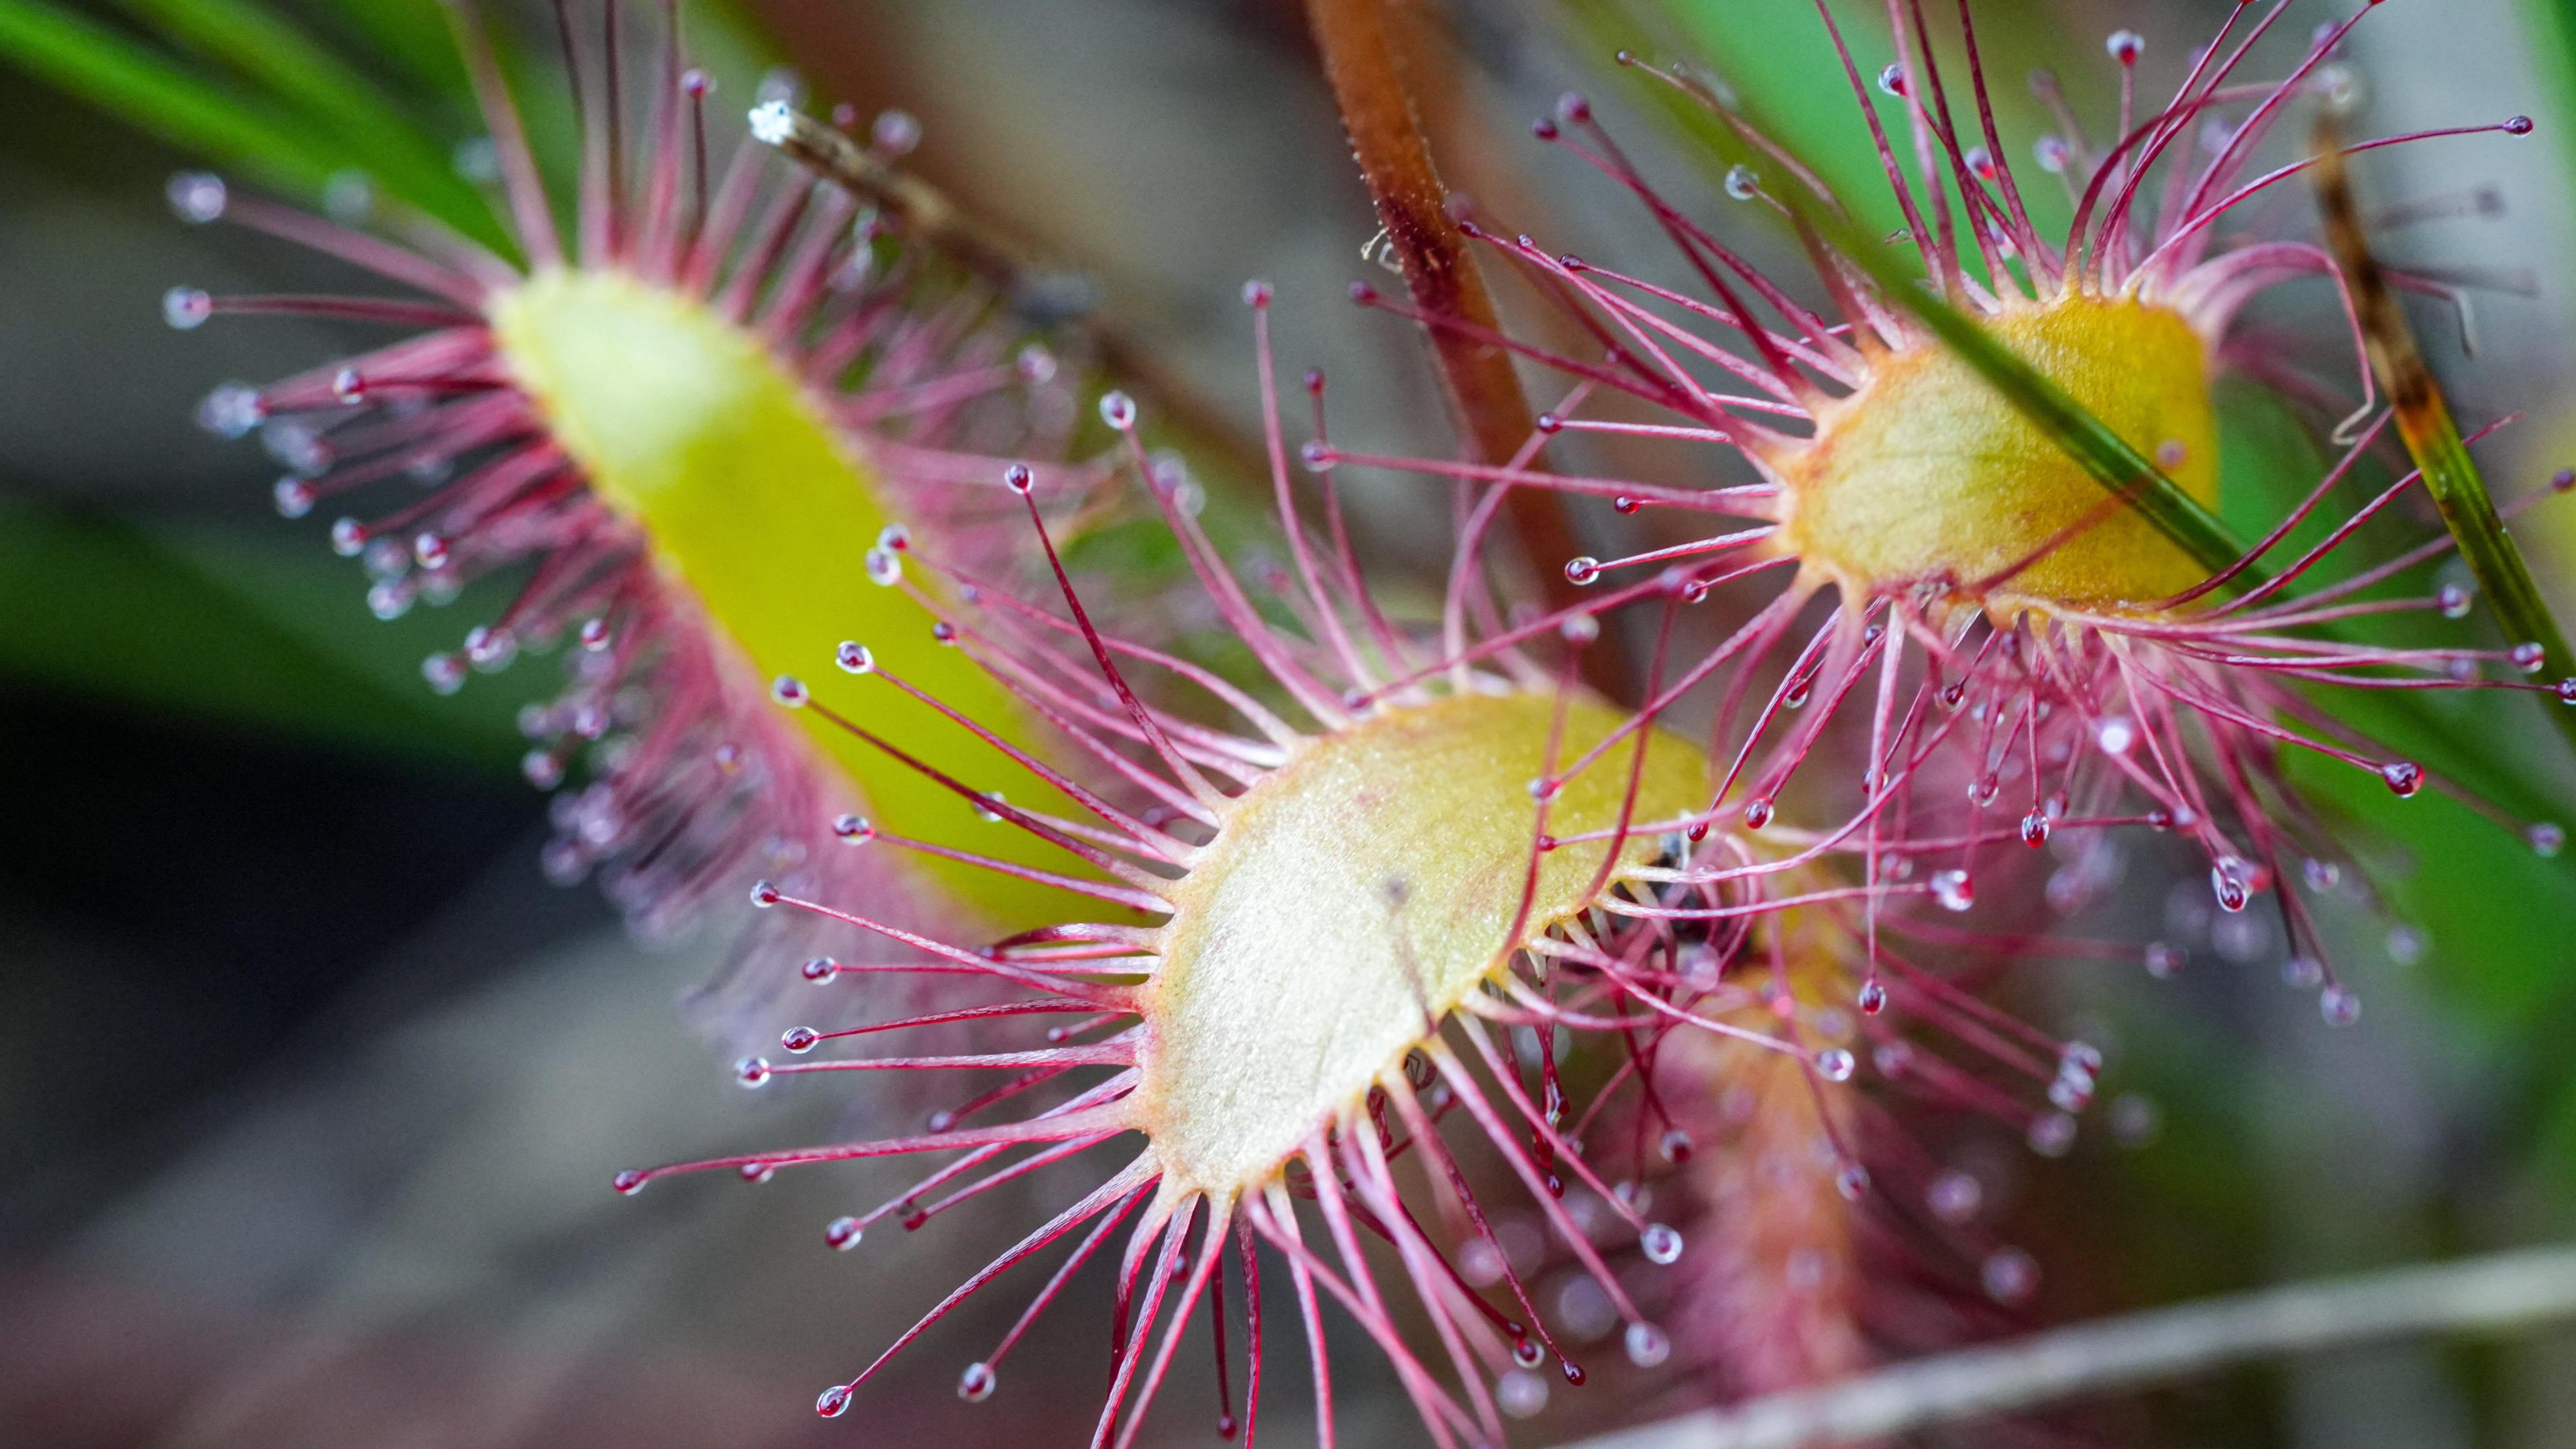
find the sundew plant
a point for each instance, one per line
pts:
(1642, 972)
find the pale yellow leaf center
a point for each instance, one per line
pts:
(1927, 473)
(1351, 901)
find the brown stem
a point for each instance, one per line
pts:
(2432, 438)
(1490, 409)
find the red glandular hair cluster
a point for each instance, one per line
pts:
(1682, 972)
(695, 786)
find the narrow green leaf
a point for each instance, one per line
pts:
(2551, 26)
(240, 624)
(335, 99)
(114, 73)
(408, 36)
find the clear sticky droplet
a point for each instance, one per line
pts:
(197, 197)
(186, 308)
(2135, 1121)
(2009, 1275)
(1954, 1196)
(1520, 1393)
(2114, 734)
(976, 1384)
(1647, 1345)
(232, 410)
(1835, 1064)
(1661, 1243)
(772, 122)
(2052, 1134)
(2406, 944)
(894, 134)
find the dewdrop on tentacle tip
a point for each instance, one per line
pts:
(2027, 658)
(680, 427)
(1326, 941)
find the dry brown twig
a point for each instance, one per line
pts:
(2491, 1294)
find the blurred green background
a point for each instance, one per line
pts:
(309, 1086)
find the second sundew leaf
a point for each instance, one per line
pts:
(2102, 452)
(762, 509)
(2119, 467)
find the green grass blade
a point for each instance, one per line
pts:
(336, 98)
(411, 38)
(118, 75)
(242, 625)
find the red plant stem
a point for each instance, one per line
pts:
(1487, 403)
